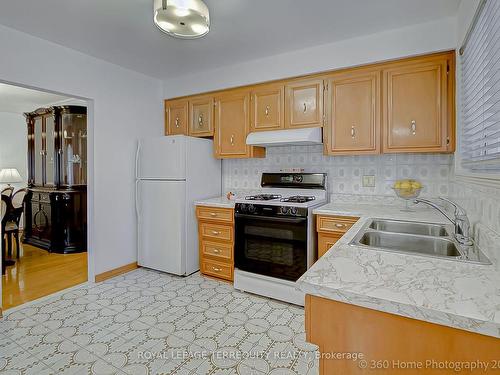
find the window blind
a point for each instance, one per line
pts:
(480, 61)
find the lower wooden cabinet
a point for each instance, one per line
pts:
(330, 229)
(216, 241)
(387, 339)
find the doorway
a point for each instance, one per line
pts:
(43, 179)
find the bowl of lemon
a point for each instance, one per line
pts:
(408, 190)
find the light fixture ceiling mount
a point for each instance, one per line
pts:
(185, 19)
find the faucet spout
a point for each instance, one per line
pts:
(460, 221)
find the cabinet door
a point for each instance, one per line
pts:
(38, 150)
(304, 104)
(50, 156)
(325, 242)
(415, 107)
(353, 120)
(232, 124)
(268, 104)
(201, 116)
(176, 116)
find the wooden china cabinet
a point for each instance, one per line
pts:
(56, 206)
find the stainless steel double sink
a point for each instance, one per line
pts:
(417, 238)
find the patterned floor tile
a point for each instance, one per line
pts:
(148, 322)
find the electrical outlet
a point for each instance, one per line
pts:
(368, 181)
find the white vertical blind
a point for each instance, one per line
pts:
(480, 60)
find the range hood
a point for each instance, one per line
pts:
(306, 136)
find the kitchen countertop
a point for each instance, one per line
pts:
(221, 201)
(450, 293)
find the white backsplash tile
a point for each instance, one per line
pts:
(344, 172)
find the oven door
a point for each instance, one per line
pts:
(271, 246)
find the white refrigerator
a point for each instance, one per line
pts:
(171, 174)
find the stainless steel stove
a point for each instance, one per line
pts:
(274, 234)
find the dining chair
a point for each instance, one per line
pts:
(3, 213)
(7, 191)
(13, 224)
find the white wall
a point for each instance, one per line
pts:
(14, 145)
(413, 40)
(126, 105)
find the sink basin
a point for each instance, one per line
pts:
(425, 245)
(410, 227)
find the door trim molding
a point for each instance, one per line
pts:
(115, 272)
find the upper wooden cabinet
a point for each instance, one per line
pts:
(417, 109)
(268, 107)
(353, 113)
(176, 117)
(201, 116)
(304, 103)
(232, 125)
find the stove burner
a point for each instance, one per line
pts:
(298, 199)
(262, 197)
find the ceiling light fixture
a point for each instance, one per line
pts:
(186, 19)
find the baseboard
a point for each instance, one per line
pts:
(115, 272)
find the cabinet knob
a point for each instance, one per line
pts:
(213, 214)
(215, 233)
(200, 120)
(216, 269)
(340, 225)
(216, 251)
(413, 127)
(177, 122)
(353, 132)
(268, 110)
(232, 140)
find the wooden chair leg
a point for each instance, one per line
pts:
(3, 254)
(9, 244)
(16, 236)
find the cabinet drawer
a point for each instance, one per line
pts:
(223, 252)
(325, 242)
(336, 224)
(216, 231)
(217, 269)
(215, 213)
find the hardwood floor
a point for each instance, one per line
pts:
(38, 273)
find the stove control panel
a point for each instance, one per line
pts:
(269, 210)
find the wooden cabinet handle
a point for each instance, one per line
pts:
(216, 251)
(340, 225)
(215, 233)
(413, 127)
(200, 120)
(177, 122)
(213, 214)
(216, 269)
(305, 107)
(353, 132)
(268, 109)
(232, 140)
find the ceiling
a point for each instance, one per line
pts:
(122, 31)
(16, 99)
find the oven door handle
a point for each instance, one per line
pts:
(273, 218)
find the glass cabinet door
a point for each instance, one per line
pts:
(38, 151)
(74, 149)
(50, 156)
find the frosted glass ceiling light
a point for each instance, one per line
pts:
(186, 19)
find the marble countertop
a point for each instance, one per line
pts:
(450, 293)
(221, 201)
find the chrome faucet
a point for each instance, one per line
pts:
(460, 221)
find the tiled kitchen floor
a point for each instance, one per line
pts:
(147, 322)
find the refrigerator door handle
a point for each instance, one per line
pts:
(137, 151)
(137, 213)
